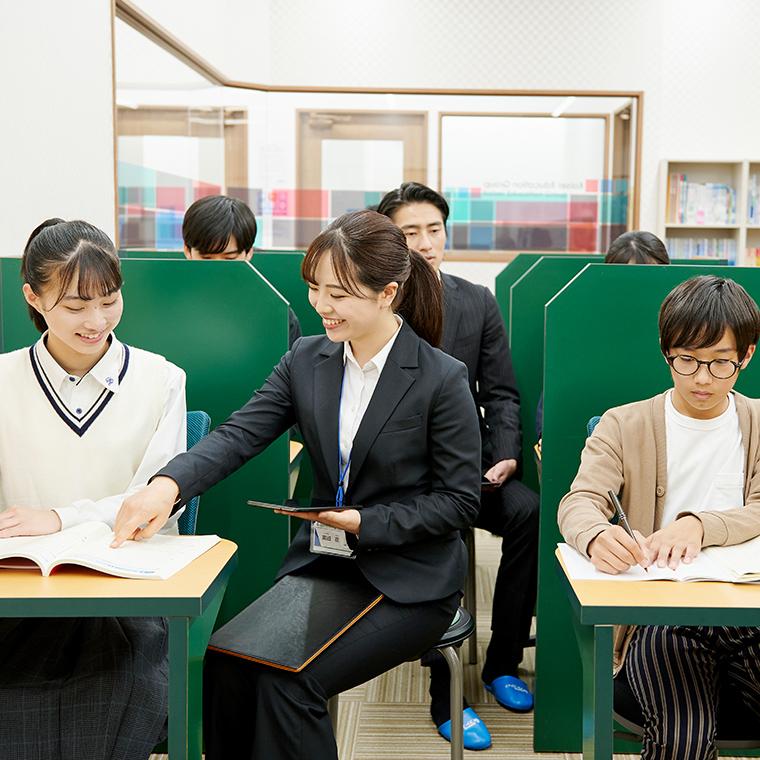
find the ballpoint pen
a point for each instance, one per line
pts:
(623, 520)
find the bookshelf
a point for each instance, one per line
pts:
(706, 212)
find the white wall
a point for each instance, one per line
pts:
(56, 131)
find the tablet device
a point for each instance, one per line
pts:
(487, 485)
(284, 508)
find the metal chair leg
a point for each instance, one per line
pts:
(332, 709)
(455, 688)
(470, 596)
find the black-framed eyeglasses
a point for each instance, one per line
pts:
(720, 369)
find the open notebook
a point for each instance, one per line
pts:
(739, 563)
(88, 544)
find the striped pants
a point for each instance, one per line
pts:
(675, 673)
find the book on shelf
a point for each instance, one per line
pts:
(89, 545)
(700, 203)
(753, 257)
(739, 563)
(753, 201)
(701, 248)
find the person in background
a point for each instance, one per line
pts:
(220, 228)
(86, 420)
(637, 247)
(473, 332)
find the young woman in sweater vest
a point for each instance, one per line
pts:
(688, 464)
(85, 420)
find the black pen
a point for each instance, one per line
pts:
(623, 520)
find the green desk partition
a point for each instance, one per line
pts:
(528, 296)
(516, 269)
(199, 316)
(601, 350)
(283, 270)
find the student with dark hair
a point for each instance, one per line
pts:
(688, 464)
(637, 247)
(86, 420)
(391, 429)
(473, 332)
(220, 228)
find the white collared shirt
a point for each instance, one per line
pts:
(359, 384)
(79, 402)
(80, 396)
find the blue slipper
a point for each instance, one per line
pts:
(511, 692)
(476, 735)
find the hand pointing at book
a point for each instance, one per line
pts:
(144, 513)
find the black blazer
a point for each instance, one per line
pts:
(473, 332)
(415, 464)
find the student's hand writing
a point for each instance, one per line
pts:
(613, 551)
(144, 513)
(501, 471)
(22, 521)
(680, 541)
(349, 520)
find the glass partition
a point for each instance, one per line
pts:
(521, 172)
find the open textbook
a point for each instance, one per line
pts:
(739, 563)
(88, 544)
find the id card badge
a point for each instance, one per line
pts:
(328, 540)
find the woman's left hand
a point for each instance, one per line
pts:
(22, 521)
(349, 520)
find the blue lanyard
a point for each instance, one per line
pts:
(342, 471)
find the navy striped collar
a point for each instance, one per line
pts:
(42, 369)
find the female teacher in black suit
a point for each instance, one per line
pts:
(393, 418)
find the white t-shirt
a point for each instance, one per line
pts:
(705, 462)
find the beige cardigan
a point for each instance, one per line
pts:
(627, 452)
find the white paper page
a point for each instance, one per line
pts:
(743, 559)
(44, 549)
(158, 558)
(580, 568)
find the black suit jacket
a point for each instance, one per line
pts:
(415, 464)
(473, 332)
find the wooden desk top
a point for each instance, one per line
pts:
(84, 592)
(662, 602)
(295, 450)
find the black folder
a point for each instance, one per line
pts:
(296, 620)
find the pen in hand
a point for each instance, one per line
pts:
(623, 520)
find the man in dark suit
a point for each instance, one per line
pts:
(474, 333)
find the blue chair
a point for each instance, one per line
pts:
(198, 425)
(590, 425)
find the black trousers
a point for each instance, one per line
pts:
(676, 672)
(253, 712)
(511, 512)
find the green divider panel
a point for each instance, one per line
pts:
(16, 328)
(524, 261)
(199, 315)
(283, 270)
(528, 297)
(602, 350)
(516, 268)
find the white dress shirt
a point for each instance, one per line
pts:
(359, 384)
